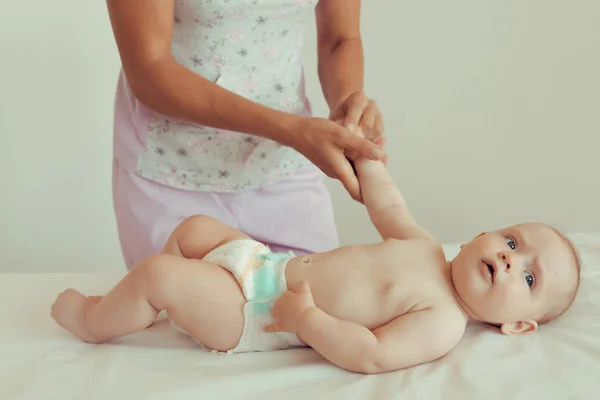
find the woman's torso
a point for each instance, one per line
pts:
(250, 47)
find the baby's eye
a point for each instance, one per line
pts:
(529, 279)
(511, 243)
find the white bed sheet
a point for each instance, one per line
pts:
(38, 360)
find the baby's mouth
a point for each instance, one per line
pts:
(491, 269)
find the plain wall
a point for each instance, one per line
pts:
(491, 110)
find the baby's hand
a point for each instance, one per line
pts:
(289, 309)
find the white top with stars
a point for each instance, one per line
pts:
(252, 48)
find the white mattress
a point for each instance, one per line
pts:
(38, 360)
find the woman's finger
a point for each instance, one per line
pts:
(363, 147)
(367, 122)
(378, 126)
(345, 174)
(380, 141)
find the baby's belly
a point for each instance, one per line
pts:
(355, 305)
(364, 298)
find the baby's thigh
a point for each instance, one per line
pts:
(204, 300)
(198, 235)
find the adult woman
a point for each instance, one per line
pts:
(211, 117)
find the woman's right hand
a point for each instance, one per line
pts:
(327, 144)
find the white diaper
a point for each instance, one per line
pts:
(261, 275)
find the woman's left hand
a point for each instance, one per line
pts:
(359, 111)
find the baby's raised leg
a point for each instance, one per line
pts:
(203, 298)
(196, 236)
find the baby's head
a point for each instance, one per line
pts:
(517, 277)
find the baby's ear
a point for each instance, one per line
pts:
(519, 328)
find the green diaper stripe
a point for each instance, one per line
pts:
(266, 281)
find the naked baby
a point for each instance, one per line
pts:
(368, 309)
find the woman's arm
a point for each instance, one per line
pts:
(340, 49)
(341, 67)
(143, 31)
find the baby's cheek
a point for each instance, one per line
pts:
(514, 300)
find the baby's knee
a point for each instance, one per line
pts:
(156, 272)
(195, 222)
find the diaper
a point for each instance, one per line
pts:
(261, 275)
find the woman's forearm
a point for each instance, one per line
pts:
(341, 70)
(169, 88)
(143, 31)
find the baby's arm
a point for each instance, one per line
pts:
(385, 204)
(406, 341)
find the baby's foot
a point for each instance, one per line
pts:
(69, 311)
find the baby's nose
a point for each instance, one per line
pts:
(506, 260)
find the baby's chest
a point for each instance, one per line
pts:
(413, 281)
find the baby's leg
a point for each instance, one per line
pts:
(196, 236)
(203, 298)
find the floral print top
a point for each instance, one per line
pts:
(252, 48)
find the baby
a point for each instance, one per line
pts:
(368, 309)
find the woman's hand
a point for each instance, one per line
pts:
(379, 141)
(358, 111)
(326, 144)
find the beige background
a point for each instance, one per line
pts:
(491, 110)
